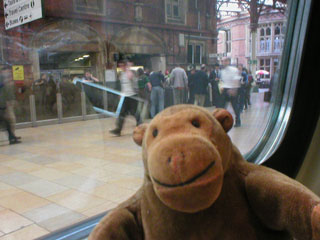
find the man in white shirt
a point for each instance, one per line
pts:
(130, 105)
(230, 78)
(179, 81)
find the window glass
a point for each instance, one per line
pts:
(198, 54)
(169, 10)
(268, 32)
(228, 41)
(190, 54)
(175, 11)
(81, 75)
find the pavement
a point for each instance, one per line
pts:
(64, 173)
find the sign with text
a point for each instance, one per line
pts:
(18, 12)
(18, 72)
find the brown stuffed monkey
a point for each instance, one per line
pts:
(197, 185)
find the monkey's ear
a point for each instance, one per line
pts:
(224, 117)
(138, 133)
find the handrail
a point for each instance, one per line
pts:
(108, 90)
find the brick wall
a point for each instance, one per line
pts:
(118, 15)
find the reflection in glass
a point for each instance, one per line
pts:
(73, 168)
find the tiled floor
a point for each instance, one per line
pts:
(62, 174)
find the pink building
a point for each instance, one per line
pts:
(234, 40)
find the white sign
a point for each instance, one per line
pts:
(110, 75)
(213, 55)
(181, 40)
(18, 12)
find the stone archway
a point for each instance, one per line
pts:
(139, 40)
(68, 36)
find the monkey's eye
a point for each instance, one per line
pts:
(155, 132)
(195, 123)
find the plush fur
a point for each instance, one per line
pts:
(198, 186)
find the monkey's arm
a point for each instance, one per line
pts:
(123, 223)
(282, 203)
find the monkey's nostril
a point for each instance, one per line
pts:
(169, 160)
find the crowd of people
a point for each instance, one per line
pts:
(228, 84)
(147, 92)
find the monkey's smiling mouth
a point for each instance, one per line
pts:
(191, 180)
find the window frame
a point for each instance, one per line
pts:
(284, 96)
(228, 41)
(265, 66)
(194, 46)
(278, 45)
(181, 18)
(296, 64)
(265, 39)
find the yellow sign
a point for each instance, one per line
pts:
(18, 72)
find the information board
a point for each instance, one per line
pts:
(18, 12)
(18, 72)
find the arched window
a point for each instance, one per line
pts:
(278, 38)
(268, 31)
(175, 11)
(268, 44)
(262, 43)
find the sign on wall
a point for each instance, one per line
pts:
(18, 12)
(110, 76)
(181, 40)
(18, 72)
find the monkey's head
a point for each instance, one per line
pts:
(186, 151)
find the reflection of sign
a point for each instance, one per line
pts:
(213, 55)
(90, 6)
(252, 61)
(18, 12)
(18, 72)
(219, 55)
(110, 76)
(181, 40)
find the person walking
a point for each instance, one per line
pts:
(243, 88)
(214, 79)
(248, 90)
(11, 98)
(191, 84)
(179, 81)
(157, 92)
(200, 86)
(130, 104)
(230, 78)
(3, 106)
(144, 89)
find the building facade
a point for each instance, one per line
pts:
(79, 35)
(234, 41)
